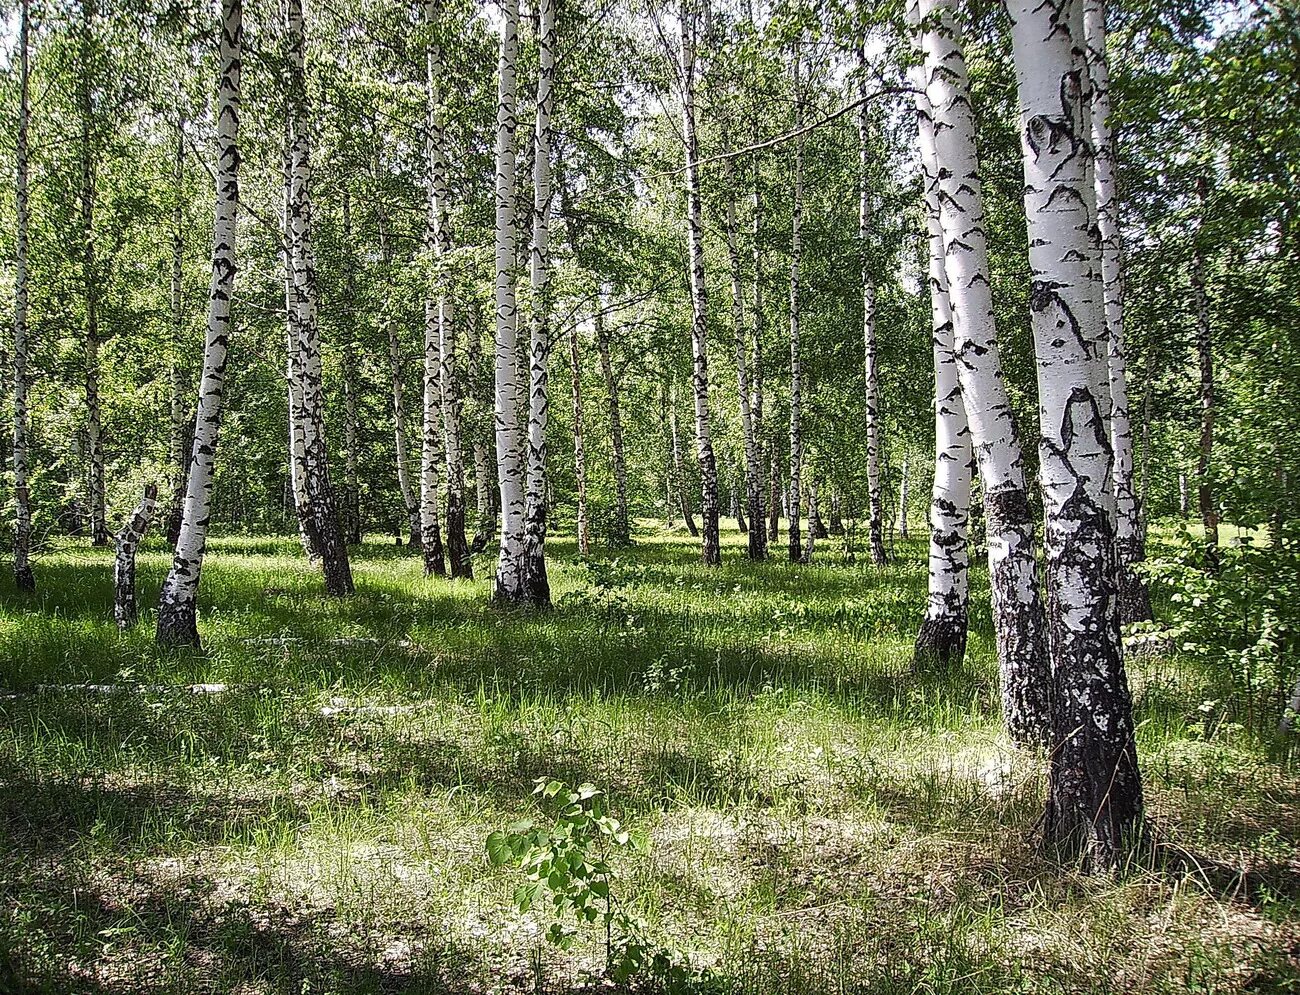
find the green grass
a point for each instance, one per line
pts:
(818, 819)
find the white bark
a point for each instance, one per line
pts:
(510, 464)
(177, 604)
(1017, 605)
(1135, 602)
(871, 374)
(1095, 792)
(711, 550)
(579, 447)
(796, 373)
(177, 462)
(536, 585)
(125, 607)
(91, 284)
(24, 579)
(622, 523)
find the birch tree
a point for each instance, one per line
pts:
(177, 452)
(91, 279)
(24, 578)
(126, 609)
(622, 530)
(1095, 791)
(537, 586)
(579, 445)
(326, 533)
(796, 371)
(871, 374)
(1017, 606)
(941, 640)
(1205, 365)
(1134, 599)
(441, 339)
(178, 601)
(510, 462)
(711, 549)
(348, 369)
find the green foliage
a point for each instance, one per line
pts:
(570, 861)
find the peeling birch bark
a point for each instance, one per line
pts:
(126, 610)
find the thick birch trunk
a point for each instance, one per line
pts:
(796, 374)
(1095, 790)
(90, 279)
(579, 447)
(679, 473)
(875, 513)
(1205, 360)
(178, 602)
(349, 371)
(442, 393)
(177, 451)
(125, 608)
(24, 579)
(941, 641)
(622, 522)
(1134, 599)
(711, 550)
(510, 451)
(1017, 604)
(326, 533)
(297, 420)
(537, 587)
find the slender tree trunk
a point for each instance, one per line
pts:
(178, 602)
(1017, 604)
(536, 584)
(1145, 494)
(510, 444)
(441, 439)
(24, 579)
(837, 520)
(297, 420)
(774, 497)
(711, 550)
(1095, 790)
(1134, 599)
(941, 641)
(579, 447)
(807, 554)
(876, 514)
(126, 610)
(483, 471)
(815, 524)
(177, 450)
(796, 373)
(349, 371)
(1205, 358)
(763, 473)
(327, 535)
(622, 522)
(90, 278)
(679, 473)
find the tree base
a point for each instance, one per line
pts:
(458, 554)
(940, 644)
(24, 579)
(177, 626)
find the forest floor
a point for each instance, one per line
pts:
(812, 816)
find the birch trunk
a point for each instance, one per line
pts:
(1094, 792)
(941, 640)
(711, 549)
(807, 554)
(796, 373)
(326, 533)
(297, 418)
(90, 279)
(876, 514)
(24, 579)
(765, 473)
(579, 447)
(1134, 598)
(441, 340)
(126, 609)
(774, 498)
(483, 472)
(1017, 604)
(752, 475)
(1205, 360)
(178, 601)
(352, 491)
(679, 474)
(904, 482)
(837, 519)
(510, 456)
(176, 450)
(537, 587)
(622, 522)
(401, 443)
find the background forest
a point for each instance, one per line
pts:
(519, 303)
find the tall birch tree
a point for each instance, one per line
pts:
(178, 601)
(24, 578)
(1094, 791)
(871, 372)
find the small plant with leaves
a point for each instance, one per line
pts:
(569, 863)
